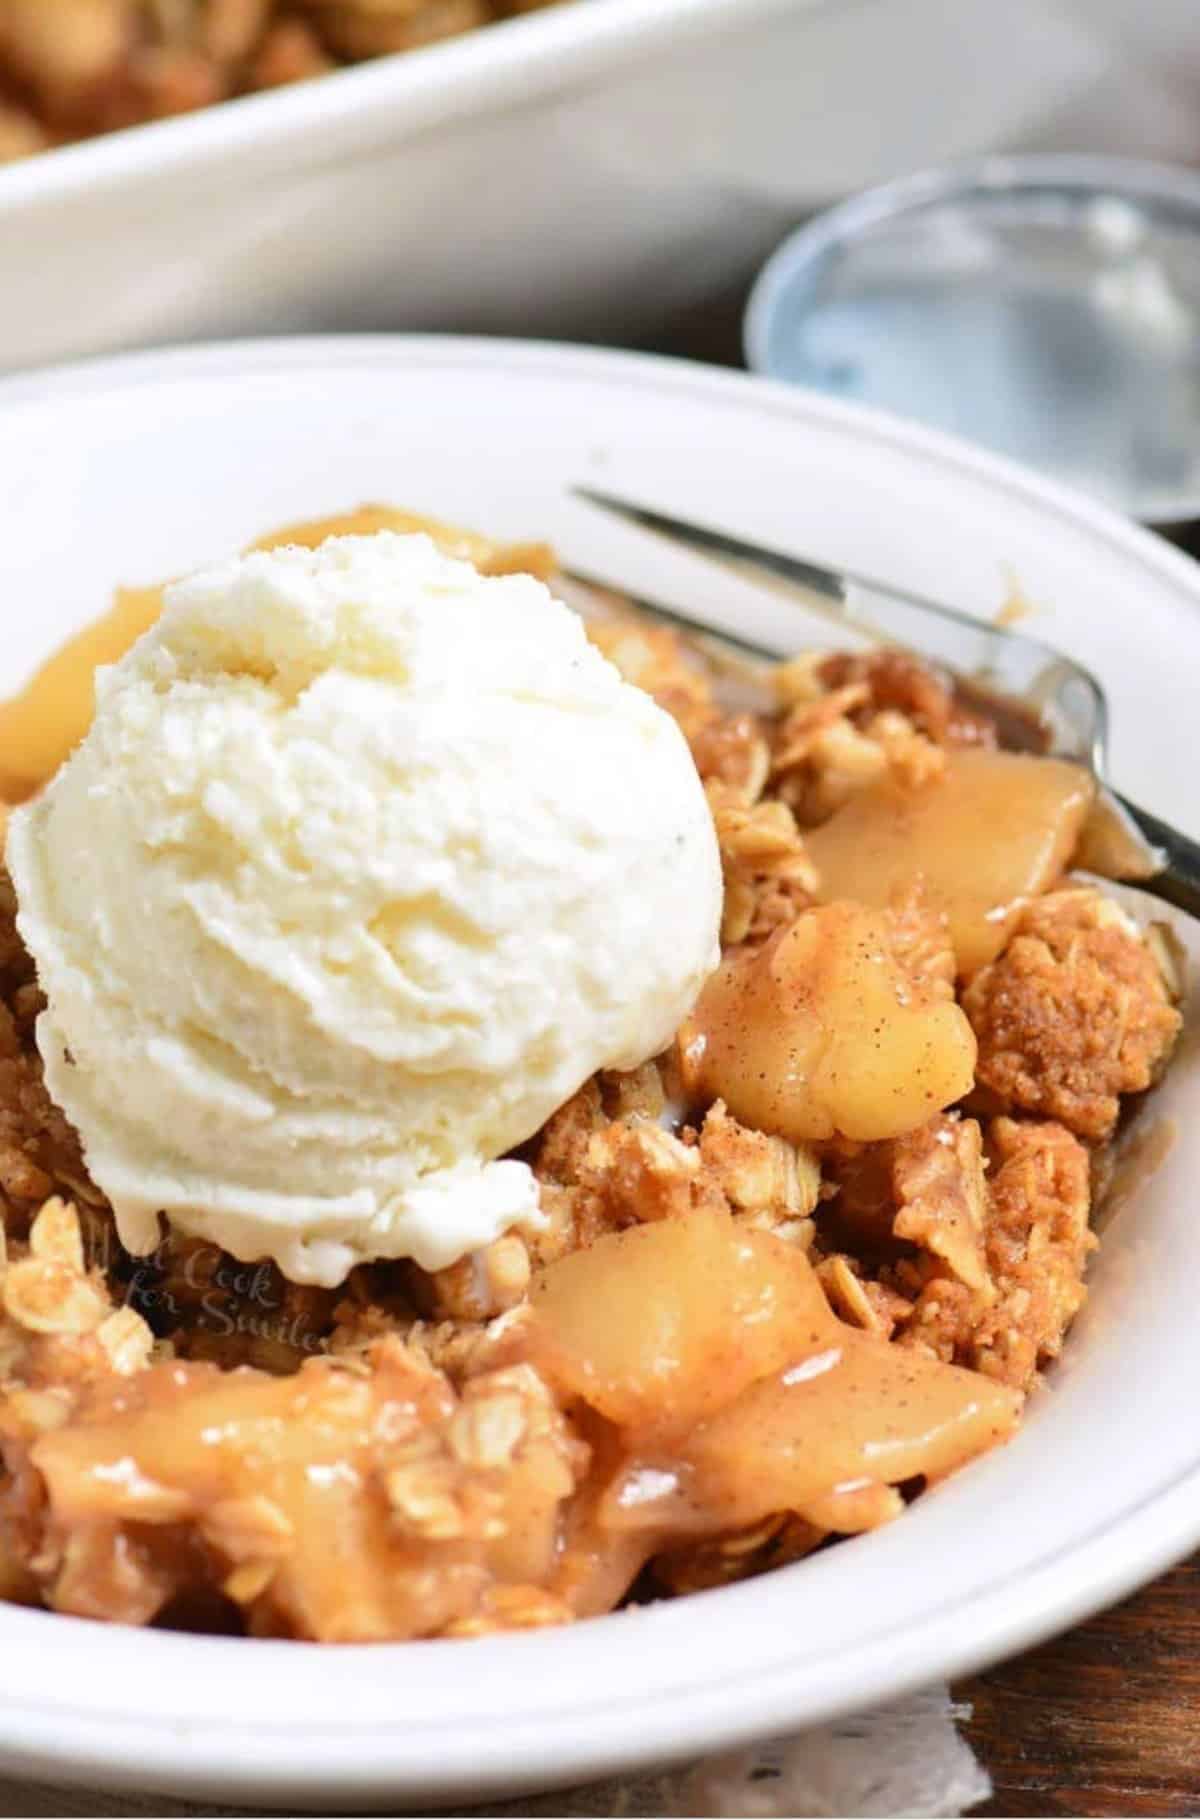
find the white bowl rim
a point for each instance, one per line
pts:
(41, 1731)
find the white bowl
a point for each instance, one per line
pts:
(136, 468)
(966, 298)
(585, 170)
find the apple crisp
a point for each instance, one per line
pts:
(70, 69)
(807, 1262)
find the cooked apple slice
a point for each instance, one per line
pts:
(42, 724)
(862, 1412)
(661, 1325)
(822, 1031)
(994, 830)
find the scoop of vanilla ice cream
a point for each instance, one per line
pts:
(366, 864)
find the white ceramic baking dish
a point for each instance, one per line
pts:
(585, 170)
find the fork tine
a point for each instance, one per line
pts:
(671, 616)
(1004, 661)
(1020, 667)
(800, 570)
(716, 543)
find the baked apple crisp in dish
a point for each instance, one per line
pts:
(497, 1121)
(71, 69)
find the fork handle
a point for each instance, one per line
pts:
(1178, 882)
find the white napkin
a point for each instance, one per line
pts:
(905, 1759)
(901, 1759)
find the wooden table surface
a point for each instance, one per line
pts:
(1104, 1720)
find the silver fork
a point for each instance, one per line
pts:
(1064, 698)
